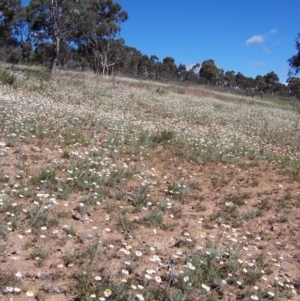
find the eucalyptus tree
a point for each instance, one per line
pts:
(271, 80)
(229, 79)
(154, 65)
(67, 48)
(8, 11)
(209, 71)
(109, 52)
(131, 60)
(148, 66)
(55, 21)
(22, 34)
(154, 59)
(282, 89)
(220, 79)
(144, 66)
(100, 29)
(14, 32)
(168, 68)
(294, 61)
(182, 72)
(192, 75)
(260, 84)
(42, 53)
(294, 86)
(241, 81)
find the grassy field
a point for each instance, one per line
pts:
(120, 189)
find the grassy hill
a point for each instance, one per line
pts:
(119, 189)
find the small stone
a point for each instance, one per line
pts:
(35, 149)
(172, 242)
(50, 289)
(57, 264)
(76, 216)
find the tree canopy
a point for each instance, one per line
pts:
(86, 34)
(294, 85)
(55, 21)
(294, 61)
(209, 71)
(94, 23)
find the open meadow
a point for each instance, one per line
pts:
(119, 189)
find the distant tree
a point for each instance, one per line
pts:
(110, 50)
(83, 57)
(193, 73)
(196, 68)
(229, 79)
(294, 61)
(281, 89)
(55, 21)
(271, 79)
(66, 50)
(99, 30)
(8, 11)
(260, 83)
(131, 60)
(220, 79)
(42, 53)
(182, 72)
(209, 71)
(154, 65)
(241, 81)
(168, 68)
(154, 59)
(249, 83)
(294, 86)
(144, 66)
(22, 34)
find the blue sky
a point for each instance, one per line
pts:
(248, 36)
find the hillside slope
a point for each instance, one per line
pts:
(131, 190)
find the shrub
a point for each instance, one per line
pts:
(7, 78)
(162, 137)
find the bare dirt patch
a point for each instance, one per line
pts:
(195, 93)
(226, 204)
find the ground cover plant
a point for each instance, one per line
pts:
(118, 189)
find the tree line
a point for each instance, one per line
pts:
(85, 34)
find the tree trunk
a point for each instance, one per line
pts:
(95, 64)
(55, 56)
(104, 64)
(66, 63)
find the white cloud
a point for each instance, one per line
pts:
(273, 30)
(257, 63)
(189, 66)
(277, 43)
(266, 50)
(255, 39)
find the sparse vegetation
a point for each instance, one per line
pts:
(120, 193)
(7, 78)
